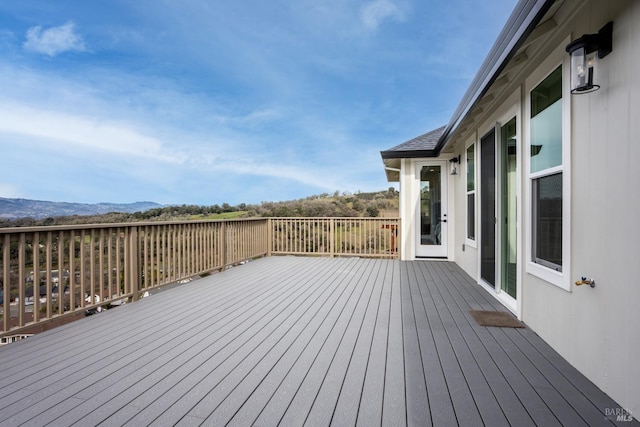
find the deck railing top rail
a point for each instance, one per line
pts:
(45, 228)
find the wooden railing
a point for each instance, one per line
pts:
(362, 237)
(50, 273)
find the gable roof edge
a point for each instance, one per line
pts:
(523, 20)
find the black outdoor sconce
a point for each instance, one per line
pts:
(454, 161)
(585, 53)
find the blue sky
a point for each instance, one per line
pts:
(205, 101)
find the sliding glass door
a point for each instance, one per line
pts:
(498, 209)
(488, 208)
(508, 182)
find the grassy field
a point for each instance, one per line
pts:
(225, 215)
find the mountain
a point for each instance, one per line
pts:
(38, 209)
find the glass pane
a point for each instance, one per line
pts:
(430, 212)
(471, 216)
(547, 92)
(546, 123)
(488, 208)
(546, 138)
(471, 168)
(508, 207)
(547, 221)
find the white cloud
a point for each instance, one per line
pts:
(374, 13)
(301, 175)
(54, 40)
(9, 191)
(73, 131)
(99, 137)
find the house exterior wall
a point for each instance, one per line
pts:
(465, 250)
(595, 329)
(407, 210)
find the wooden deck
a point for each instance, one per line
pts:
(295, 341)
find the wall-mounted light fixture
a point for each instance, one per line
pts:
(453, 162)
(585, 53)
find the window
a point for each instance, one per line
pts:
(471, 193)
(547, 225)
(546, 171)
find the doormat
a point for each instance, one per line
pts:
(498, 319)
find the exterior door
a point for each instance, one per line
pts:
(498, 212)
(488, 208)
(508, 175)
(431, 227)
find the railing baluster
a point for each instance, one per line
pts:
(72, 272)
(109, 239)
(6, 277)
(158, 254)
(155, 256)
(21, 279)
(82, 267)
(61, 270)
(92, 267)
(35, 285)
(119, 262)
(146, 268)
(170, 253)
(181, 250)
(200, 248)
(101, 266)
(162, 231)
(49, 277)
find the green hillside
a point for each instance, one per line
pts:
(359, 204)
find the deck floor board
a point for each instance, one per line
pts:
(370, 408)
(293, 341)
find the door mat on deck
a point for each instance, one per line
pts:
(499, 319)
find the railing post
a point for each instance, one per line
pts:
(132, 262)
(269, 236)
(399, 240)
(223, 244)
(332, 238)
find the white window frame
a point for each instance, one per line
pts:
(471, 242)
(562, 279)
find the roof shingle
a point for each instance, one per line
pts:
(421, 146)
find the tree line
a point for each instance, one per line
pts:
(338, 204)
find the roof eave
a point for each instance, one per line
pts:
(523, 20)
(409, 154)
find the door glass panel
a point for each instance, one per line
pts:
(430, 206)
(508, 210)
(488, 208)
